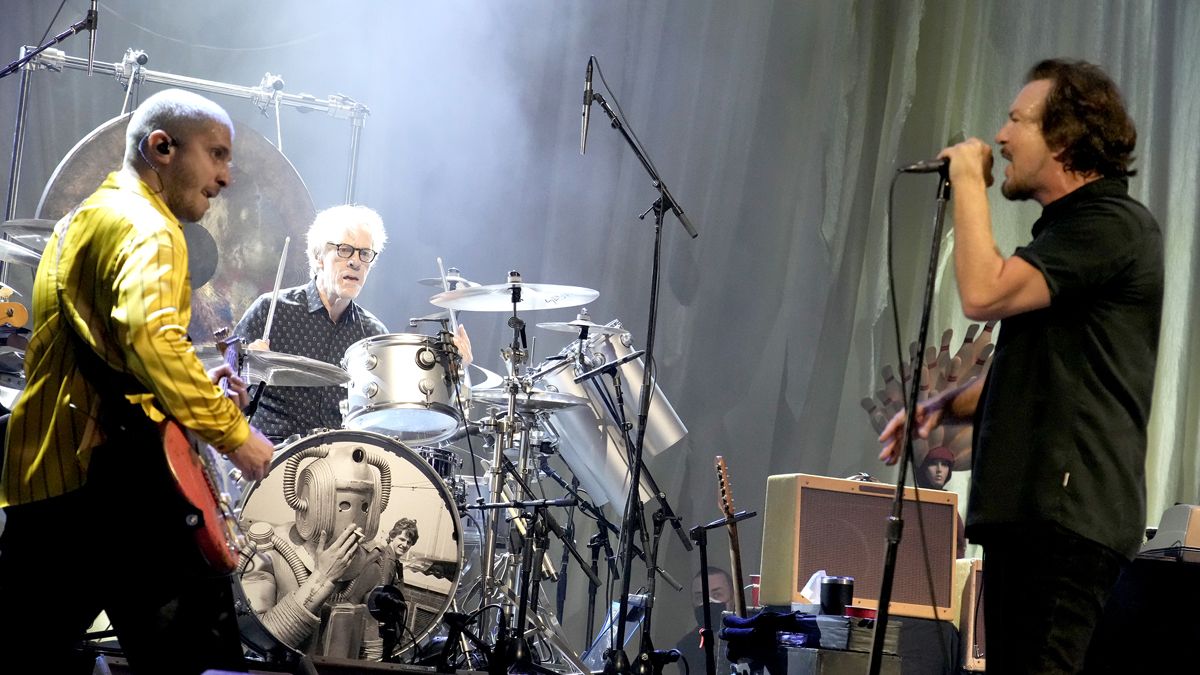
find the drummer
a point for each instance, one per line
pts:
(321, 319)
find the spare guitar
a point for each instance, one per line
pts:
(202, 478)
(725, 502)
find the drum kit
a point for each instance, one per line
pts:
(481, 535)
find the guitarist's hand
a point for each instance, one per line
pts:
(235, 387)
(253, 458)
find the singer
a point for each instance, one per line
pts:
(1058, 497)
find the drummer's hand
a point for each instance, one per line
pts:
(261, 345)
(237, 389)
(253, 458)
(463, 342)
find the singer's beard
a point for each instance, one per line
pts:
(1015, 190)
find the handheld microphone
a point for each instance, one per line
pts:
(587, 107)
(92, 18)
(928, 166)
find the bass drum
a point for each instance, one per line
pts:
(319, 484)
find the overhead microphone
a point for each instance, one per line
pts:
(92, 18)
(587, 107)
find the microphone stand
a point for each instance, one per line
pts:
(895, 523)
(87, 23)
(616, 661)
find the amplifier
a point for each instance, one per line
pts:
(819, 523)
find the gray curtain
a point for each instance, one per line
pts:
(778, 125)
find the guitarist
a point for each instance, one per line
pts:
(94, 521)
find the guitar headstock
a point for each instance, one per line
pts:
(725, 491)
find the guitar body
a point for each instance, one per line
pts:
(199, 477)
(192, 465)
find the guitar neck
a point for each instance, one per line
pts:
(725, 500)
(735, 569)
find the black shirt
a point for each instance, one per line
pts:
(302, 326)
(1060, 430)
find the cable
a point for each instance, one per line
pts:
(56, 13)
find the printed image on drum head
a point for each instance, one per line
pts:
(342, 516)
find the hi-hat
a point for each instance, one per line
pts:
(38, 228)
(454, 281)
(12, 252)
(532, 401)
(577, 324)
(488, 379)
(498, 297)
(279, 369)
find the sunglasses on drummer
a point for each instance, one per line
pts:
(346, 250)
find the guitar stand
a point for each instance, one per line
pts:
(699, 534)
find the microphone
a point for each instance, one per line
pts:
(92, 18)
(928, 166)
(587, 107)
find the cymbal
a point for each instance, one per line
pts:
(532, 401)
(454, 280)
(12, 252)
(574, 326)
(487, 379)
(279, 369)
(498, 297)
(28, 227)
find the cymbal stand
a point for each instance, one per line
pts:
(506, 431)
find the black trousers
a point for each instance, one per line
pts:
(118, 544)
(1044, 589)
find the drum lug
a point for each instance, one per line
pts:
(371, 389)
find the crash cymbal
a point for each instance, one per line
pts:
(574, 326)
(532, 401)
(498, 297)
(278, 369)
(12, 252)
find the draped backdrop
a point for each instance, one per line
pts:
(778, 126)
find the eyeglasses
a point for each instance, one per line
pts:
(346, 250)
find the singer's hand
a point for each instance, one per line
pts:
(969, 160)
(260, 344)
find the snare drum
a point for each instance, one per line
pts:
(314, 483)
(400, 386)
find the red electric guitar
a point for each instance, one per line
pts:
(202, 478)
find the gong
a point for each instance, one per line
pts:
(266, 202)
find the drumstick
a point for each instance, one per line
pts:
(275, 293)
(453, 318)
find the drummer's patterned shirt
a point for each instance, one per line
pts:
(114, 278)
(302, 326)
